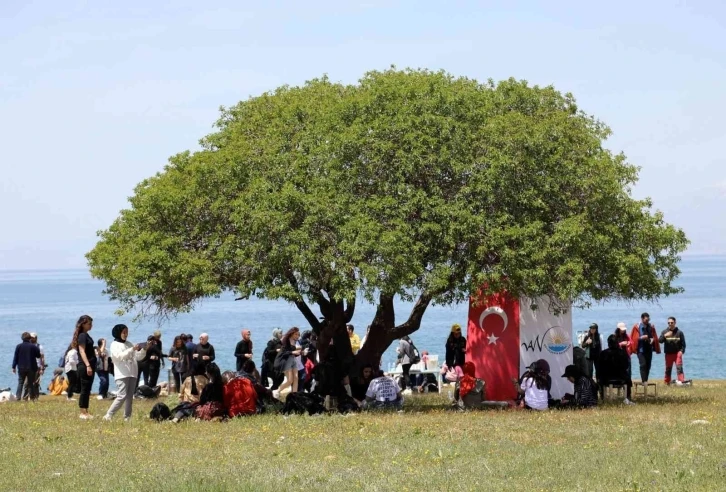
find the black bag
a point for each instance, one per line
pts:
(144, 391)
(347, 404)
(416, 355)
(303, 402)
(160, 412)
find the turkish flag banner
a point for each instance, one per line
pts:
(493, 343)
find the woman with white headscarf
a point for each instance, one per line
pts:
(125, 357)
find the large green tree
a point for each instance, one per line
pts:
(410, 183)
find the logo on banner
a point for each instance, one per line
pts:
(556, 340)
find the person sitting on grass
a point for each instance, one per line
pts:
(469, 391)
(249, 368)
(360, 384)
(613, 369)
(383, 393)
(211, 400)
(535, 386)
(191, 388)
(59, 383)
(585, 391)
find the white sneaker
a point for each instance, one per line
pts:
(628, 402)
(276, 394)
(85, 416)
(99, 397)
(407, 391)
(68, 398)
(679, 383)
(106, 418)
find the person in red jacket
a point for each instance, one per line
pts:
(643, 342)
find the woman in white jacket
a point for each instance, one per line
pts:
(125, 357)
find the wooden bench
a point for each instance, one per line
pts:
(619, 389)
(645, 387)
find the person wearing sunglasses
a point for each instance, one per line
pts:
(674, 346)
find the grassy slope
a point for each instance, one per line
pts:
(654, 445)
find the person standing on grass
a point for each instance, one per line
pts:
(593, 346)
(455, 348)
(102, 368)
(154, 358)
(268, 360)
(86, 362)
(406, 357)
(286, 362)
(39, 373)
(71, 368)
(243, 351)
(180, 361)
(125, 357)
(623, 340)
(354, 338)
(203, 354)
(674, 346)
(25, 365)
(644, 341)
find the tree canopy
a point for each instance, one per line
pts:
(410, 183)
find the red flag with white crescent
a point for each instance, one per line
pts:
(493, 343)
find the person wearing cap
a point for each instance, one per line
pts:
(593, 346)
(455, 347)
(613, 368)
(534, 386)
(585, 391)
(25, 365)
(643, 342)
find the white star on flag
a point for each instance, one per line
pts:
(492, 339)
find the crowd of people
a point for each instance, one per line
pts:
(291, 370)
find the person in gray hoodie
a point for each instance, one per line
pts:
(125, 357)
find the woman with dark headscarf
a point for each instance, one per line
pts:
(125, 357)
(268, 360)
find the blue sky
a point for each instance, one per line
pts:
(96, 95)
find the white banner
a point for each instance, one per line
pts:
(543, 335)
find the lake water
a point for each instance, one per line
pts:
(49, 303)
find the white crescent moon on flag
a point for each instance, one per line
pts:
(493, 310)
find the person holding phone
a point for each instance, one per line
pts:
(125, 357)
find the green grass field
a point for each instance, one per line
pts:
(654, 445)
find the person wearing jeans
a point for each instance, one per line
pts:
(674, 346)
(102, 369)
(644, 340)
(125, 357)
(25, 365)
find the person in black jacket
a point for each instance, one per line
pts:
(153, 360)
(455, 348)
(614, 368)
(243, 351)
(674, 346)
(203, 354)
(592, 345)
(25, 363)
(268, 361)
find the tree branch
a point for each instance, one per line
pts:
(349, 309)
(413, 322)
(302, 305)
